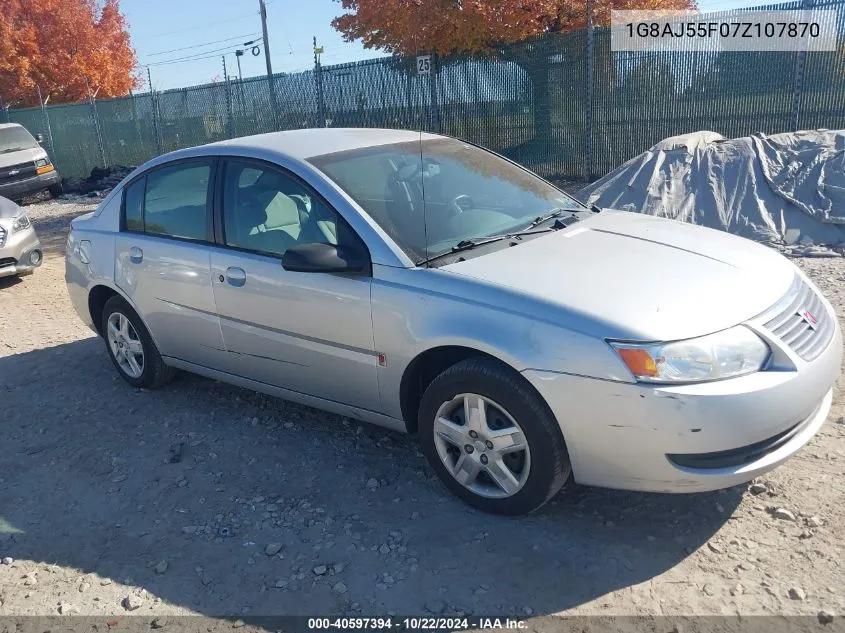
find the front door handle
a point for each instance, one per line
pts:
(235, 276)
(136, 255)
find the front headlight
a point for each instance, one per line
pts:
(43, 166)
(725, 354)
(21, 222)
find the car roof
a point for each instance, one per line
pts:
(3, 126)
(308, 143)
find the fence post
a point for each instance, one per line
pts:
(229, 106)
(96, 118)
(154, 108)
(409, 110)
(798, 81)
(435, 97)
(588, 95)
(47, 123)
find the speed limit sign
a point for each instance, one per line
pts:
(423, 64)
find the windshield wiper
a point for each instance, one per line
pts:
(553, 213)
(465, 245)
(13, 149)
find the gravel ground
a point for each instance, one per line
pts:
(208, 499)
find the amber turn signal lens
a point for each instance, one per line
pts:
(44, 170)
(639, 361)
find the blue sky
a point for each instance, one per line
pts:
(166, 31)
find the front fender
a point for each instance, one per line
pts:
(410, 319)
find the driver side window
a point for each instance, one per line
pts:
(267, 211)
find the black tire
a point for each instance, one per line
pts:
(55, 190)
(549, 464)
(155, 373)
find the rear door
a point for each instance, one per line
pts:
(163, 253)
(307, 332)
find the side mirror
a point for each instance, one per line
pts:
(323, 258)
(39, 138)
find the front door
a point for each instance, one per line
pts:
(162, 261)
(307, 332)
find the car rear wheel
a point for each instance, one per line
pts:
(491, 438)
(131, 347)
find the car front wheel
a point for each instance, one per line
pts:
(131, 348)
(491, 438)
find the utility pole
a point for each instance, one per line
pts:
(271, 83)
(263, 9)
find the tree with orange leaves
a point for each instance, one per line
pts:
(485, 27)
(55, 45)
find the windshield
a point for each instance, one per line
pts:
(430, 196)
(15, 138)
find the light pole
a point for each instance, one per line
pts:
(238, 55)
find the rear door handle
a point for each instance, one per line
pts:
(136, 255)
(235, 276)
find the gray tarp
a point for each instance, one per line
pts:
(781, 189)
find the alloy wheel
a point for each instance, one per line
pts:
(125, 345)
(482, 446)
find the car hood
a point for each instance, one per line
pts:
(9, 209)
(22, 156)
(640, 277)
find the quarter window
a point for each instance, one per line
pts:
(133, 206)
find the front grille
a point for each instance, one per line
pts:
(5, 262)
(14, 173)
(2, 237)
(792, 321)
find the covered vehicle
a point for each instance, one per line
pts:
(25, 167)
(786, 190)
(20, 249)
(428, 285)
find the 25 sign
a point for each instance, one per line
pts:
(423, 64)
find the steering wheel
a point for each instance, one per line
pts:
(461, 202)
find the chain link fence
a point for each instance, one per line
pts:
(531, 102)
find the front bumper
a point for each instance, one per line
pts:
(28, 186)
(16, 256)
(629, 436)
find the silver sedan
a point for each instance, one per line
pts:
(20, 249)
(429, 286)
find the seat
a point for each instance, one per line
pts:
(283, 215)
(251, 216)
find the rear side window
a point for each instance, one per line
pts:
(171, 201)
(133, 205)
